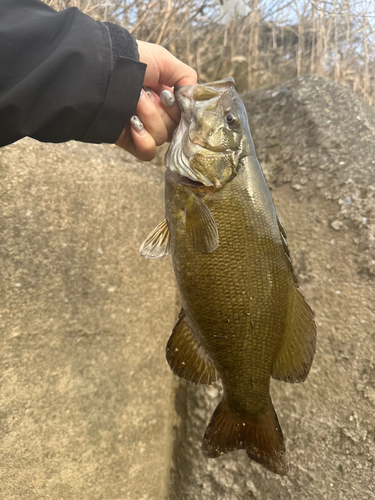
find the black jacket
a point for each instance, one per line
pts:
(64, 76)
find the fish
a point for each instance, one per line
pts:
(243, 318)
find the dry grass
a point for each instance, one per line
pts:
(275, 42)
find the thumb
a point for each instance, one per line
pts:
(163, 69)
(175, 73)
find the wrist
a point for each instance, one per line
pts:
(123, 44)
(123, 89)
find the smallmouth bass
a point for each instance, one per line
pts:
(243, 317)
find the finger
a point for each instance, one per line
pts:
(149, 115)
(139, 143)
(143, 146)
(167, 108)
(169, 122)
(170, 104)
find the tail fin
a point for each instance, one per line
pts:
(261, 437)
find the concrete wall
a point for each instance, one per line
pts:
(86, 397)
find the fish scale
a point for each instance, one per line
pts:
(209, 291)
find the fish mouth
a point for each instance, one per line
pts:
(202, 92)
(186, 181)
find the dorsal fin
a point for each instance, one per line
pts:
(285, 246)
(293, 361)
(186, 357)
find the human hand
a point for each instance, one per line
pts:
(158, 117)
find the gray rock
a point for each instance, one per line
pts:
(86, 396)
(316, 143)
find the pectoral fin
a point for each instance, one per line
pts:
(294, 359)
(187, 358)
(157, 243)
(201, 226)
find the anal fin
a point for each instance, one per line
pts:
(294, 359)
(187, 358)
(157, 243)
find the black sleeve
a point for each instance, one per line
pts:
(64, 76)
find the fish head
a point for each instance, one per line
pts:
(212, 136)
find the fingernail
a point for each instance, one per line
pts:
(167, 98)
(149, 93)
(136, 123)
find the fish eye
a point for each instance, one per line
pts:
(230, 118)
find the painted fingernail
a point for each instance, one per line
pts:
(149, 93)
(136, 123)
(167, 98)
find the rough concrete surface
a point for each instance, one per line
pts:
(316, 143)
(86, 397)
